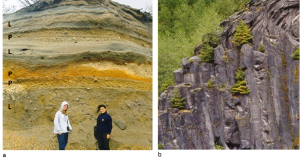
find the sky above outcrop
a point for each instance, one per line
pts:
(139, 4)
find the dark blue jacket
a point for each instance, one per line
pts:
(104, 123)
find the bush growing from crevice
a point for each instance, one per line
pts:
(207, 54)
(209, 42)
(225, 58)
(261, 48)
(240, 75)
(182, 25)
(240, 88)
(210, 84)
(160, 146)
(219, 147)
(295, 55)
(241, 85)
(177, 99)
(242, 34)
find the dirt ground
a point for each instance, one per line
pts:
(35, 98)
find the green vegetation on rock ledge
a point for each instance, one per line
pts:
(209, 42)
(240, 87)
(240, 75)
(219, 147)
(242, 34)
(160, 146)
(210, 84)
(182, 24)
(177, 99)
(207, 54)
(261, 48)
(295, 55)
(256, 81)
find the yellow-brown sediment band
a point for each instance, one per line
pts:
(58, 36)
(78, 74)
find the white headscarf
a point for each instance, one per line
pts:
(63, 104)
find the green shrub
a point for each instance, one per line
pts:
(240, 88)
(241, 85)
(261, 48)
(209, 42)
(240, 75)
(166, 83)
(207, 54)
(211, 39)
(225, 58)
(177, 99)
(295, 55)
(181, 26)
(160, 146)
(242, 34)
(219, 147)
(210, 84)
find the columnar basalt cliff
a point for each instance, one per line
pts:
(85, 52)
(213, 117)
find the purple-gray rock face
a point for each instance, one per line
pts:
(267, 117)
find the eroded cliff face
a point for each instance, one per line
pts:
(86, 53)
(213, 117)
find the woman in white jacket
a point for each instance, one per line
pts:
(62, 125)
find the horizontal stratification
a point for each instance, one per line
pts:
(108, 16)
(77, 74)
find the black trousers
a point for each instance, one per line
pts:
(103, 142)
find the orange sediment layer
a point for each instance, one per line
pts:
(78, 74)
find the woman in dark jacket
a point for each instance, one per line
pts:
(104, 126)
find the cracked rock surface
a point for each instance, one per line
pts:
(267, 117)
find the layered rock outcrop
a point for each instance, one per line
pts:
(213, 117)
(85, 52)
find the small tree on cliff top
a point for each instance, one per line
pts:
(177, 99)
(242, 34)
